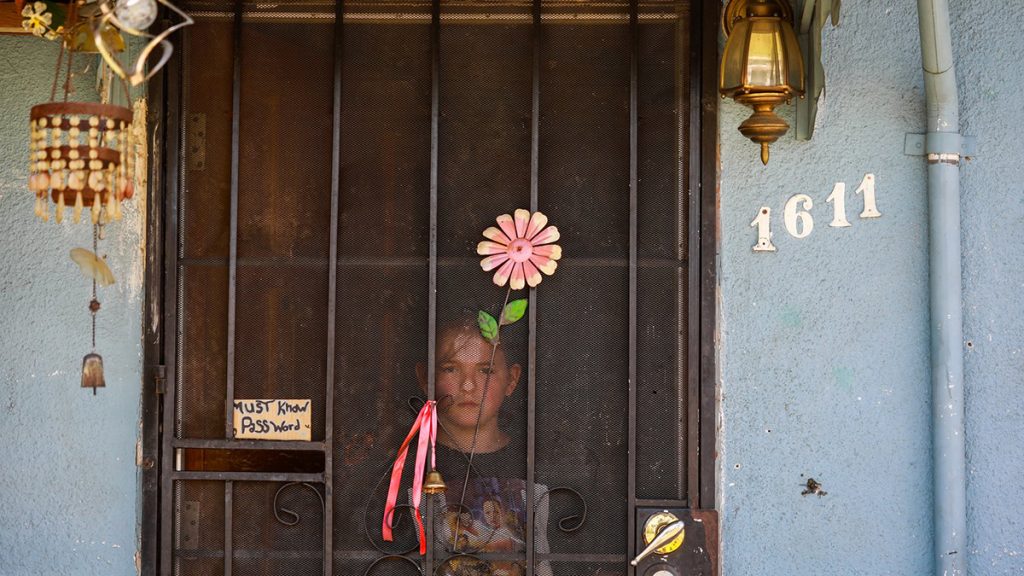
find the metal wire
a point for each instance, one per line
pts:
(94, 303)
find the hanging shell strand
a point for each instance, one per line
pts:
(81, 154)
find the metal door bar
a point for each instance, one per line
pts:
(707, 42)
(172, 171)
(693, 309)
(364, 555)
(218, 444)
(400, 261)
(633, 184)
(332, 291)
(250, 476)
(568, 17)
(435, 116)
(236, 99)
(531, 368)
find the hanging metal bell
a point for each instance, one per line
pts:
(92, 372)
(434, 483)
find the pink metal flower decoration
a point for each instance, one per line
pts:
(520, 248)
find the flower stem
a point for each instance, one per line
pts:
(479, 415)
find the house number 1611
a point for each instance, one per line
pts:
(796, 215)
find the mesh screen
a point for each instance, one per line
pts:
(185, 566)
(203, 344)
(484, 134)
(284, 212)
(204, 238)
(385, 567)
(662, 213)
(206, 194)
(265, 544)
(278, 566)
(582, 339)
(588, 568)
(483, 171)
(199, 528)
(382, 269)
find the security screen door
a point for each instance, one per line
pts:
(332, 183)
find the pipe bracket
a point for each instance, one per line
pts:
(940, 143)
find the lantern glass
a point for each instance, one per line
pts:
(762, 54)
(762, 66)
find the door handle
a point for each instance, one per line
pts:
(669, 534)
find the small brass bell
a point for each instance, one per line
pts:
(92, 372)
(434, 483)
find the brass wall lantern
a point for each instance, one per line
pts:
(762, 66)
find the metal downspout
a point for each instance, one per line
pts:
(943, 145)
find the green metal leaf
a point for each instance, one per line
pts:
(488, 326)
(513, 311)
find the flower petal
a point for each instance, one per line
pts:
(546, 236)
(537, 222)
(501, 276)
(505, 221)
(532, 274)
(27, 10)
(492, 262)
(518, 277)
(40, 7)
(498, 236)
(552, 251)
(486, 248)
(539, 261)
(548, 267)
(522, 218)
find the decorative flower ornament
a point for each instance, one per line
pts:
(520, 248)
(38, 20)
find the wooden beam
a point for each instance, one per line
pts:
(10, 19)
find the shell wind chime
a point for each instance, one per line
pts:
(82, 154)
(81, 157)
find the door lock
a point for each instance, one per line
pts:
(663, 533)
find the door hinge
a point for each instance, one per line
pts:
(160, 378)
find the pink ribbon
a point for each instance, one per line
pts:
(426, 426)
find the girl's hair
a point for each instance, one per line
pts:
(454, 333)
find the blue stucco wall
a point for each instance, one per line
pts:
(68, 478)
(988, 45)
(824, 344)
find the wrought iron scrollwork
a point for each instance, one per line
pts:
(278, 510)
(393, 557)
(566, 523)
(461, 556)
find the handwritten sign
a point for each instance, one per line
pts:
(272, 419)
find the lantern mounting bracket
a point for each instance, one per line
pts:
(737, 10)
(813, 16)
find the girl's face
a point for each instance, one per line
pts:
(492, 513)
(462, 365)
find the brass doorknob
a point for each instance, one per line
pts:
(663, 533)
